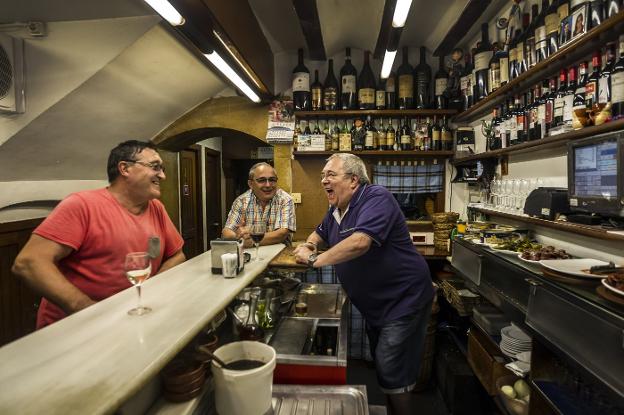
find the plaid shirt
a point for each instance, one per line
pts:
(410, 179)
(280, 213)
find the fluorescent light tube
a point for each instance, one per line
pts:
(231, 75)
(401, 10)
(386, 67)
(167, 11)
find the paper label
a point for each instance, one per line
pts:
(603, 90)
(440, 86)
(366, 96)
(617, 87)
(406, 86)
(482, 60)
(380, 98)
(559, 104)
(301, 82)
(348, 84)
(567, 107)
(390, 87)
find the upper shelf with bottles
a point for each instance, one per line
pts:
(376, 113)
(513, 72)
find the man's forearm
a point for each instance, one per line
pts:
(275, 237)
(354, 246)
(172, 261)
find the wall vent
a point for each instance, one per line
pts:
(12, 92)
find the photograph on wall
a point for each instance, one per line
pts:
(574, 25)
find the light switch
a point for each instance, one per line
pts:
(296, 197)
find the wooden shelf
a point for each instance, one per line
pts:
(571, 53)
(544, 143)
(379, 153)
(579, 229)
(375, 113)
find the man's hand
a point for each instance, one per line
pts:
(302, 253)
(243, 232)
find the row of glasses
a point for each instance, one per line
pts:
(510, 195)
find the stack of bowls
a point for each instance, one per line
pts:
(183, 379)
(443, 224)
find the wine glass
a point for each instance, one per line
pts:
(256, 232)
(138, 266)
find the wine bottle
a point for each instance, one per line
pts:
(602, 110)
(307, 130)
(426, 131)
(348, 84)
(381, 137)
(521, 124)
(406, 136)
(494, 142)
(591, 86)
(535, 122)
(406, 83)
(328, 137)
(559, 98)
(563, 9)
(511, 131)
(441, 82)
(380, 95)
(529, 115)
(335, 137)
(422, 76)
(529, 43)
(504, 126)
(301, 85)
(521, 65)
(391, 91)
(503, 57)
(482, 60)
(366, 85)
(552, 28)
(465, 86)
(358, 135)
(436, 138)
(541, 41)
(317, 129)
(345, 138)
(330, 92)
(390, 137)
(317, 93)
(568, 108)
(446, 136)
(549, 109)
(513, 55)
(579, 109)
(617, 84)
(612, 7)
(417, 134)
(371, 132)
(494, 71)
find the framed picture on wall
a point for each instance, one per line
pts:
(574, 25)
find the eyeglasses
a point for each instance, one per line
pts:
(330, 175)
(153, 165)
(261, 180)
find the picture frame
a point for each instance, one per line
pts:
(574, 25)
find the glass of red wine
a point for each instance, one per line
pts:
(257, 233)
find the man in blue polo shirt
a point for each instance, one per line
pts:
(380, 270)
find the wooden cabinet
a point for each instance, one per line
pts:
(18, 303)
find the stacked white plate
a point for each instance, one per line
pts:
(514, 341)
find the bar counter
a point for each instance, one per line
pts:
(94, 360)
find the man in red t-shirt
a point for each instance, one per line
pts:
(75, 258)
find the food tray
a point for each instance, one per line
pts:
(319, 400)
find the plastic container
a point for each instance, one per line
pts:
(246, 392)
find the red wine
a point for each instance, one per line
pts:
(257, 237)
(245, 364)
(253, 333)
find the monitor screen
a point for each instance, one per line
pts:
(595, 170)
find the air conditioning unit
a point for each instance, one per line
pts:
(12, 93)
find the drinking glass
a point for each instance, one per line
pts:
(257, 233)
(516, 193)
(138, 266)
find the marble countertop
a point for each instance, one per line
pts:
(92, 361)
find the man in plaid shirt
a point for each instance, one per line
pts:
(262, 203)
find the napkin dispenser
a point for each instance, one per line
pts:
(219, 247)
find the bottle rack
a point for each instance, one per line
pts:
(568, 54)
(375, 113)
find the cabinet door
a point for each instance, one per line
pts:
(18, 303)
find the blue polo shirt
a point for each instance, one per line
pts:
(392, 279)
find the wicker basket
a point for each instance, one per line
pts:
(459, 297)
(444, 217)
(439, 235)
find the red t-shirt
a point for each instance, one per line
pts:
(101, 232)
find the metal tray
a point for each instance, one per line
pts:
(324, 300)
(319, 400)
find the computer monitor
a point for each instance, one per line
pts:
(596, 175)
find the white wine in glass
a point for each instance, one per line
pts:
(257, 233)
(138, 267)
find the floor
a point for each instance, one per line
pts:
(360, 372)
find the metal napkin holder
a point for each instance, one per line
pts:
(219, 247)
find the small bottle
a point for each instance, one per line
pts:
(251, 330)
(382, 144)
(390, 137)
(406, 136)
(317, 93)
(335, 137)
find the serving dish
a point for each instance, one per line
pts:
(611, 288)
(579, 267)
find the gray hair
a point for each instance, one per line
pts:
(352, 164)
(253, 168)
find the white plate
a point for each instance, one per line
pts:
(503, 251)
(574, 267)
(514, 333)
(527, 260)
(609, 287)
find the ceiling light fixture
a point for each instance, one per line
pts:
(226, 70)
(401, 10)
(167, 11)
(226, 47)
(388, 60)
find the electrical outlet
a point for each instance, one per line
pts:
(296, 197)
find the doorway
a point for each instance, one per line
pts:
(212, 173)
(191, 228)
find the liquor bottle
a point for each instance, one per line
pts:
(563, 9)
(602, 109)
(358, 135)
(327, 134)
(481, 62)
(406, 136)
(406, 83)
(441, 82)
(390, 137)
(446, 136)
(552, 28)
(381, 137)
(317, 93)
(380, 95)
(348, 84)
(504, 138)
(591, 85)
(520, 103)
(426, 131)
(465, 86)
(596, 13)
(335, 137)
(345, 138)
(511, 132)
(535, 122)
(568, 107)
(416, 137)
(371, 132)
(579, 109)
(494, 71)
(612, 7)
(559, 98)
(529, 44)
(617, 84)
(550, 106)
(301, 85)
(422, 79)
(391, 91)
(513, 55)
(436, 136)
(494, 143)
(503, 55)
(541, 42)
(366, 85)
(330, 92)
(529, 104)
(521, 65)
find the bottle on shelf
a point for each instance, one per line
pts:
(504, 138)
(559, 98)
(521, 63)
(509, 122)
(494, 70)
(494, 142)
(301, 85)
(348, 84)
(541, 42)
(345, 138)
(580, 117)
(612, 7)
(317, 93)
(380, 95)
(568, 107)
(426, 131)
(390, 86)
(422, 79)
(381, 137)
(441, 82)
(549, 102)
(370, 137)
(358, 135)
(602, 109)
(328, 138)
(499, 64)
(436, 136)
(529, 43)
(563, 9)
(513, 55)
(417, 134)
(335, 137)
(617, 84)
(317, 128)
(307, 130)
(465, 86)
(330, 92)
(405, 136)
(483, 55)
(596, 13)
(390, 137)
(366, 85)
(591, 86)
(552, 22)
(538, 113)
(406, 83)
(518, 130)
(530, 114)
(446, 136)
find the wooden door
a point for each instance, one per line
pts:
(212, 171)
(190, 202)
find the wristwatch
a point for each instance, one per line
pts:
(312, 259)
